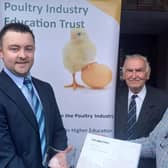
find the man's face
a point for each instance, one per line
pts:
(17, 52)
(135, 74)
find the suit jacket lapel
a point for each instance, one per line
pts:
(121, 114)
(124, 109)
(14, 93)
(145, 113)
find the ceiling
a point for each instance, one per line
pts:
(144, 22)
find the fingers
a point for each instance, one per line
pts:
(54, 163)
(59, 160)
(68, 149)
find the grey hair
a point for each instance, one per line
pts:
(148, 68)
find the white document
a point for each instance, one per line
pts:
(103, 152)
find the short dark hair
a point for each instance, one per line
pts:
(17, 27)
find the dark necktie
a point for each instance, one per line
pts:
(39, 113)
(131, 118)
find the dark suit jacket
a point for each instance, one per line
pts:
(19, 136)
(153, 108)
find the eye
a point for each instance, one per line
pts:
(129, 70)
(29, 49)
(14, 49)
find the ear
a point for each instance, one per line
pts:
(122, 76)
(1, 55)
(148, 76)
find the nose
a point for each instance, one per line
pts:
(22, 54)
(134, 74)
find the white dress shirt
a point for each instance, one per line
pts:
(139, 100)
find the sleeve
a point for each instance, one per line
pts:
(151, 143)
(148, 147)
(8, 156)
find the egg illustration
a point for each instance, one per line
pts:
(96, 76)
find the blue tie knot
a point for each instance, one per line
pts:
(133, 96)
(28, 83)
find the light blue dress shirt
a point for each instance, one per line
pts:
(18, 80)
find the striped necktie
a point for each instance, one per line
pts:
(131, 118)
(39, 113)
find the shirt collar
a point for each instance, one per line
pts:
(17, 79)
(141, 94)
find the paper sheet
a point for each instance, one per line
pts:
(104, 152)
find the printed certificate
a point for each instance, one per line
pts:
(103, 152)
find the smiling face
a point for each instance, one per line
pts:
(135, 73)
(17, 52)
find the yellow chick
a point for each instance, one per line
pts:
(78, 53)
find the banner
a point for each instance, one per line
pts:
(76, 43)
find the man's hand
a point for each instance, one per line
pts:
(59, 160)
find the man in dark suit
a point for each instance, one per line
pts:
(21, 140)
(150, 102)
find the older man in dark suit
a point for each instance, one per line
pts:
(149, 103)
(30, 121)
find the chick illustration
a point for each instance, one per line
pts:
(77, 54)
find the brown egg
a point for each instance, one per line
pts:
(96, 76)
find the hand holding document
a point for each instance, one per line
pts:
(104, 152)
(57, 158)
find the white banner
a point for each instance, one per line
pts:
(94, 56)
